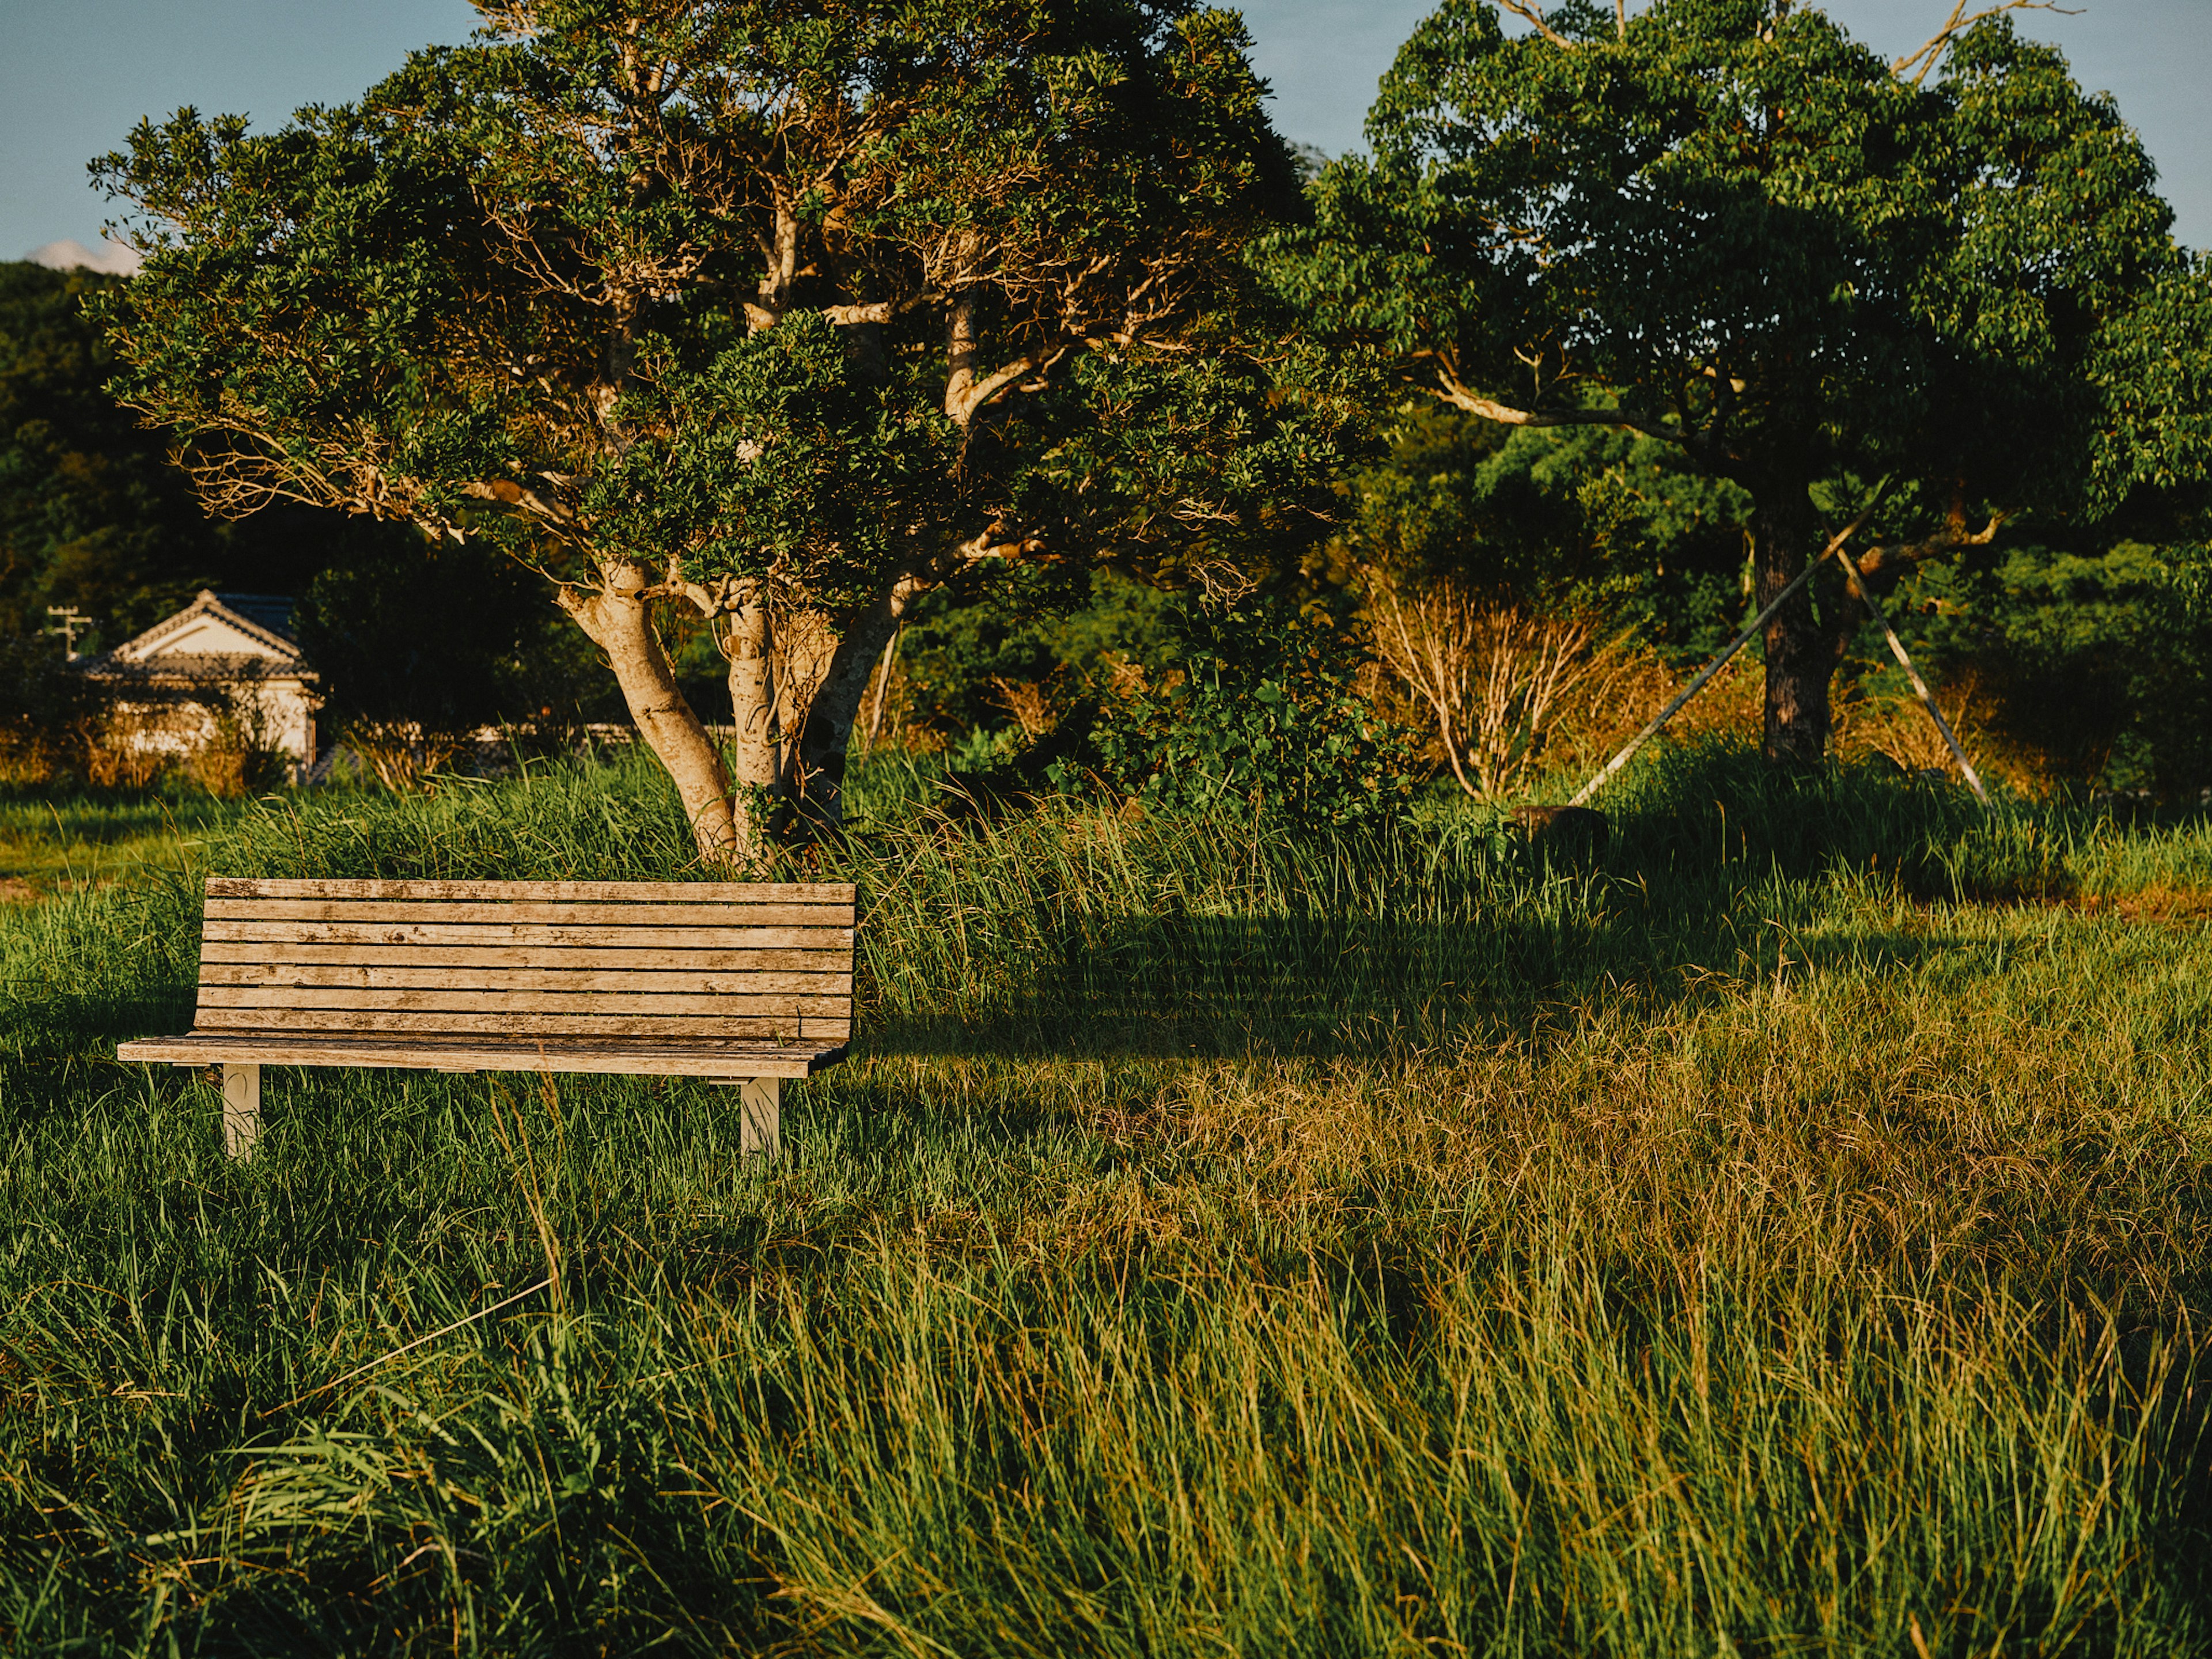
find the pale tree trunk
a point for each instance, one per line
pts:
(620, 622)
(815, 754)
(1801, 651)
(758, 751)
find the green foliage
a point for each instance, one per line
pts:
(1773, 250)
(2099, 661)
(1265, 719)
(48, 711)
(91, 514)
(1729, 226)
(1073, 633)
(447, 303)
(1568, 517)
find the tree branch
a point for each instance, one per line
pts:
(1451, 390)
(1958, 23)
(1532, 14)
(1953, 537)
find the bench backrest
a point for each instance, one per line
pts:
(530, 958)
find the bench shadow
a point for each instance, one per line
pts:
(1159, 987)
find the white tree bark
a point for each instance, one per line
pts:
(618, 618)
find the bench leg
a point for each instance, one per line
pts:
(760, 1100)
(241, 1108)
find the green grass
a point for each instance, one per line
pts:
(1786, 1233)
(54, 842)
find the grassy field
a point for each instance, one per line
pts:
(52, 844)
(1786, 1233)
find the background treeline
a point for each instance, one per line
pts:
(94, 518)
(1587, 556)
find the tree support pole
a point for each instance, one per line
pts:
(883, 691)
(1860, 593)
(1705, 674)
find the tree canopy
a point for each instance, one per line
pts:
(1929, 297)
(91, 514)
(783, 314)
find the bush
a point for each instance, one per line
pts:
(1269, 716)
(50, 716)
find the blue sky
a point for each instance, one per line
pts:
(79, 73)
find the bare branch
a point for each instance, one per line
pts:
(1530, 13)
(998, 542)
(1951, 539)
(1452, 390)
(1958, 23)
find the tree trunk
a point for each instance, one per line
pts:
(1801, 651)
(815, 766)
(752, 700)
(620, 624)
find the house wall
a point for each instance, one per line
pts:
(181, 723)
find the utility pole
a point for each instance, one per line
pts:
(68, 624)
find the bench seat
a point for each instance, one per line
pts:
(707, 1057)
(741, 983)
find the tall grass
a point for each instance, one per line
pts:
(1785, 1232)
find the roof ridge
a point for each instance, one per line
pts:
(207, 603)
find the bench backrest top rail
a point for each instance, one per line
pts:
(613, 892)
(528, 959)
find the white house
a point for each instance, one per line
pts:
(223, 654)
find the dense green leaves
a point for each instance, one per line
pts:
(533, 261)
(1265, 720)
(762, 309)
(1727, 225)
(90, 515)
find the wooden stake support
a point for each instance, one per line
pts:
(1919, 686)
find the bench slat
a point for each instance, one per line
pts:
(426, 933)
(480, 1002)
(543, 956)
(668, 1058)
(756, 982)
(616, 893)
(783, 1027)
(611, 915)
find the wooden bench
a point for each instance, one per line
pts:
(742, 983)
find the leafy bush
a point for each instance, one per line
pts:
(49, 715)
(1268, 714)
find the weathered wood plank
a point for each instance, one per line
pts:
(609, 916)
(781, 1027)
(631, 939)
(500, 1004)
(492, 1044)
(760, 982)
(519, 957)
(829, 1028)
(760, 1103)
(616, 893)
(664, 1059)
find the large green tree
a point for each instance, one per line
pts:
(783, 311)
(1943, 288)
(92, 515)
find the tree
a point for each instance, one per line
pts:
(91, 513)
(1930, 303)
(783, 311)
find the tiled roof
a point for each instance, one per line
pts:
(260, 619)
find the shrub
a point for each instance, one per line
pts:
(1268, 716)
(49, 715)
